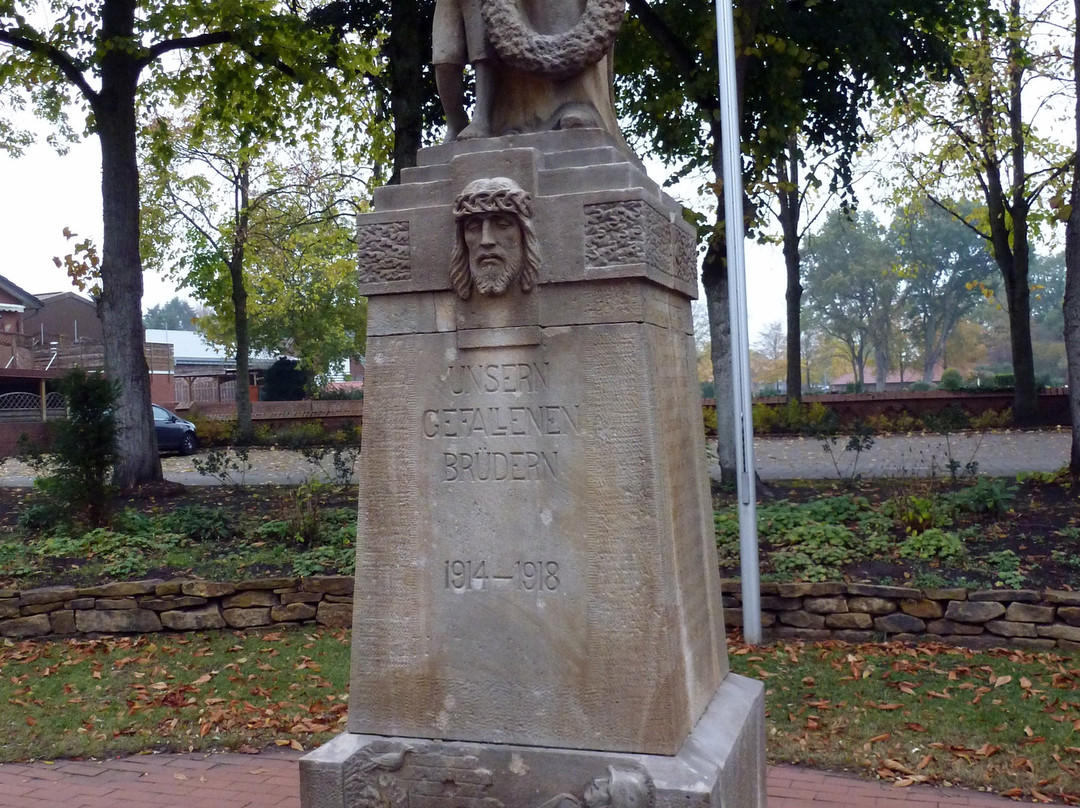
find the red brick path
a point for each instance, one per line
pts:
(270, 780)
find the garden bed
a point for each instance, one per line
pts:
(170, 531)
(987, 533)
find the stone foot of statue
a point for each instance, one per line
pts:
(474, 130)
(576, 116)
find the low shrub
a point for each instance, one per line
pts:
(989, 495)
(200, 523)
(992, 419)
(951, 380)
(211, 432)
(708, 415)
(933, 544)
(309, 433)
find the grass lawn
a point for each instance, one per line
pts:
(1004, 721)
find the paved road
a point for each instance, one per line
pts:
(1001, 454)
(271, 780)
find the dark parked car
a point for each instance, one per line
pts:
(174, 434)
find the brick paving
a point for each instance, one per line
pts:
(271, 780)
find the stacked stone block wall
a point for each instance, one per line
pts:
(140, 607)
(1037, 620)
(1017, 618)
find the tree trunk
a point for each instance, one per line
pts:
(1072, 274)
(1025, 398)
(789, 223)
(714, 279)
(881, 371)
(408, 52)
(245, 432)
(121, 267)
(1018, 297)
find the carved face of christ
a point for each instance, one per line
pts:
(495, 245)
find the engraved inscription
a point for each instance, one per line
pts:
(486, 466)
(383, 252)
(497, 422)
(513, 377)
(478, 576)
(513, 414)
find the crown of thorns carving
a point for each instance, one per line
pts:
(491, 198)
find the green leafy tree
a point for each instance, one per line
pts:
(940, 262)
(299, 267)
(984, 129)
(215, 198)
(851, 291)
(176, 314)
(402, 92)
(111, 59)
(807, 67)
(1047, 283)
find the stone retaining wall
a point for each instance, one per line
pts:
(1018, 618)
(818, 611)
(139, 607)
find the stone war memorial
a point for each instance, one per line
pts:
(537, 614)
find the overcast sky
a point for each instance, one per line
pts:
(41, 193)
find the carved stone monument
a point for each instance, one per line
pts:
(537, 607)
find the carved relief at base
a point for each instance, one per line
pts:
(391, 774)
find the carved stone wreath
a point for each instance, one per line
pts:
(559, 56)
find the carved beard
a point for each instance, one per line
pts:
(493, 277)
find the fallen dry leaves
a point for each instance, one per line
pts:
(1004, 720)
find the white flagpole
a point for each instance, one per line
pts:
(740, 339)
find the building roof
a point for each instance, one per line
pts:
(48, 296)
(192, 348)
(20, 294)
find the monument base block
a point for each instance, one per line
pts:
(721, 765)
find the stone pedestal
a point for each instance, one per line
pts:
(536, 564)
(722, 763)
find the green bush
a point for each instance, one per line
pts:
(992, 419)
(212, 432)
(952, 380)
(83, 449)
(918, 514)
(765, 419)
(309, 433)
(200, 523)
(41, 517)
(950, 419)
(708, 416)
(987, 495)
(793, 418)
(933, 544)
